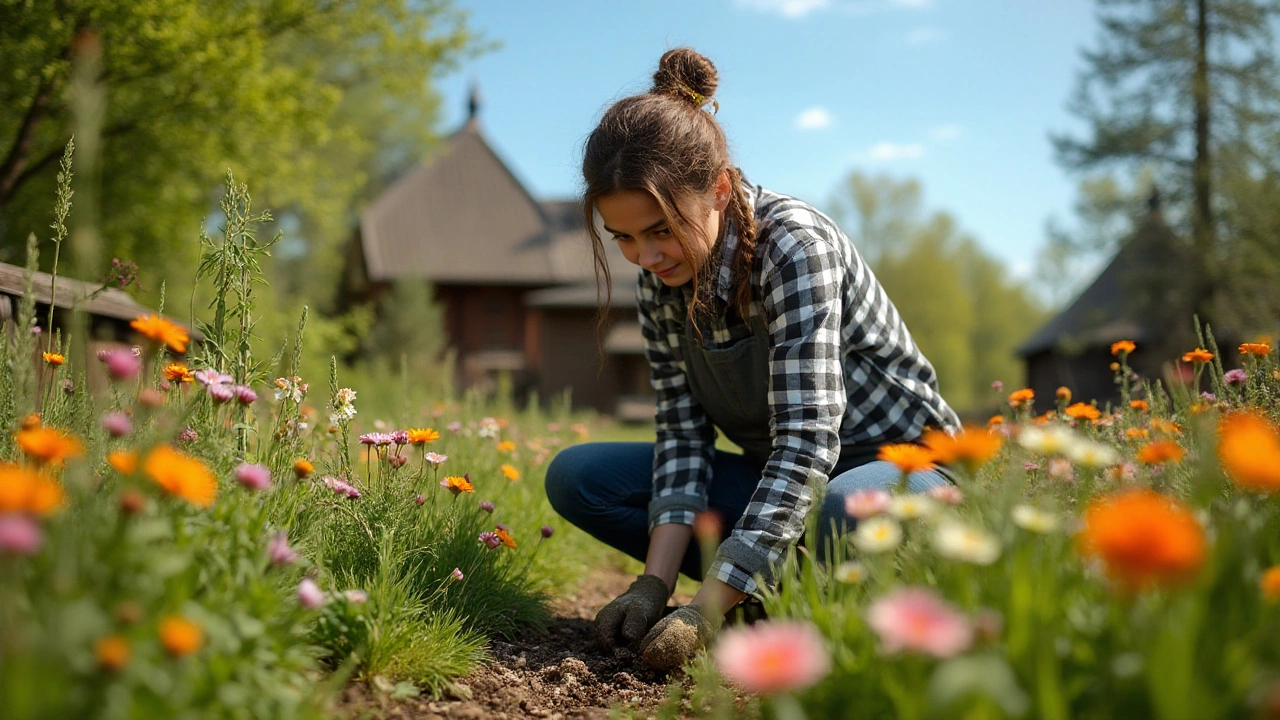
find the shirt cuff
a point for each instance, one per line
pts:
(737, 564)
(679, 508)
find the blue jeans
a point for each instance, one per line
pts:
(604, 489)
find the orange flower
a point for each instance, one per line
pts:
(177, 372)
(23, 489)
(909, 457)
(1160, 451)
(510, 473)
(303, 468)
(1270, 583)
(48, 445)
(1018, 398)
(180, 636)
(1064, 394)
(1123, 347)
(995, 420)
(162, 332)
(124, 461)
(505, 537)
(54, 359)
(1164, 427)
(182, 475)
(457, 485)
(112, 652)
(1143, 539)
(970, 447)
(506, 446)
(1199, 355)
(1082, 411)
(1249, 448)
(30, 422)
(422, 436)
(1043, 419)
(1256, 349)
(1139, 405)
(1137, 433)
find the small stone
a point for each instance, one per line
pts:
(458, 691)
(522, 661)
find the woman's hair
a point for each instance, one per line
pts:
(664, 143)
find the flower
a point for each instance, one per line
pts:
(1139, 405)
(245, 394)
(1199, 355)
(505, 537)
(180, 636)
(456, 574)
(20, 535)
(210, 376)
(419, 499)
(1082, 411)
(916, 619)
(1124, 472)
(376, 439)
(1142, 538)
(995, 420)
(1137, 433)
(1235, 377)
(486, 506)
(177, 372)
(909, 457)
(865, 503)
(971, 447)
(278, 550)
(341, 487)
(400, 437)
(117, 424)
(254, 477)
(1063, 394)
(310, 596)
(949, 494)
(1123, 347)
(912, 507)
(132, 502)
(293, 389)
(489, 427)
(150, 398)
(1164, 427)
(1049, 440)
(1160, 451)
(547, 531)
(964, 543)
(422, 436)
(125, 462)
(355, 597)
(1034, 520)
(877, 534)
(112, 652)
(510, 473)
(162, 332)
(121, 364)
(436, 459)
(1061, 469)
(48, 445)
(1270, 584)
(1255, 349)
(506, 446)
(345, 396)
(1093, 454)
(1249, 448)
(850, 573)
(490, 539)
(25, 490)
(773, 656)
(997, 385)
(221, 393)
(457, 485)
(54, 359)
(1019, 398)
(181, 475)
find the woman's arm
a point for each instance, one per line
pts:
(667, 545)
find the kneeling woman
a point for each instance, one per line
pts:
(760, 319)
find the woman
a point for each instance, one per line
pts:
(760, 319)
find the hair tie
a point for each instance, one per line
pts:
(700, 100)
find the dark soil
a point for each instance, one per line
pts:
(560, 674)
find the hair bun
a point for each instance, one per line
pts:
(682, 70)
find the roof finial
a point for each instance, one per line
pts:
(473, 103)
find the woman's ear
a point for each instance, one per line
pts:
(723, 191)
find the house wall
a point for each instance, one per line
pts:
(570, 360)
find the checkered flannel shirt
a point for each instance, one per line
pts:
(843, 371)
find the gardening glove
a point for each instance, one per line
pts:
(674, 641)
(633, 612)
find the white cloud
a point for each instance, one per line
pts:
(1022, 270)
(815, 118)
(925, 35)
(945, 133)
(786, 8)
(896, 151)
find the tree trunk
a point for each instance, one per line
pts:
(15, 162)
(1202, 218)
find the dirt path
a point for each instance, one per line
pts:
(561, 674)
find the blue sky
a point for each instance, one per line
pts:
(960, 94)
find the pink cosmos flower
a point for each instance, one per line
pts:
(356, 597)
(121, 364)
(254, 477)
(245, 394)
(117, 424)
(221, 393)
(309, 594)
(278, 550)
(20, 535)
(867, 503)
(773, 657)
(454, 426)
(916, 619)
(949, 494)
(1235, 377)
(435, 459)
(997, 385)
(210, 377)
(341, 487)
(490, 539)
(457, 574)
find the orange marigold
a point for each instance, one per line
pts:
(1270, 584)
(422, 436)
(1199, 355)
(1018, 398)
(54, 359)
(1063, 394)
(177, 372)
(1256, 349)
(182, 475)
(48, 445)
(995, 420)
(457, 484)
(23, 489)
(971, 447)
(303, 468)
(506, 446)
(180, 636)
(1164, 427)
(162, 332)
(124, 461)
(112, 652)
(1123, 347)
(1143, 539)
(1249, 448)
(505, 537)
(510, 472)
(1160, 451)
(909, 457)
(1082, 411)
(1139, 405)
(31, 421)
(1137, 433)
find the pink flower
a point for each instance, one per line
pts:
(254, 477)
(918, 620)
(490, 539)
(341, 487)
(397, 461)
(949, 494)
(1235, 377)
(435, 458)
(1061, 469)
(221, 393)
(773, 657)
(454, 426)
(419, 499)
(117, 424)
(245, 395)
(457, 574)
(867, 503)
(20, 535)
(121, 364)
(278, 550)
(997, 385)
(309, 594)
(188, 436)
(210, 377)
(487, 506)
(356, 597)
(547, 531)
(400, 437)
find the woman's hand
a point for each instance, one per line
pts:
(677, 638)
(630, 615)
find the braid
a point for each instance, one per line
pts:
(745, 216)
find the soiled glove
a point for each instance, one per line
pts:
(677, 638)
(633, 612)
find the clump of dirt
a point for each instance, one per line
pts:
(561, 674)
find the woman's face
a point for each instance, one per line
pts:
(645, 237)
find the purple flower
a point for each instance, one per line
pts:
(400, 437)
(997, 386)
(376, 438)
(487, 506)
(367, 439)
(548, 531)
(1030, 466)
(309, 594)
(19, 535)
(490, 539)
(35, 330)
(436, 459)
(245, 395)
(502, 527)
(1209, 396)
(188, 436)
(356, 597)
(254, 477)
(211, 377)
(278, 549)
(117, 424)
(121, 365)
(221, 393)
(457, 574)
(454, 426)
(341, 487)
(1235, 377)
